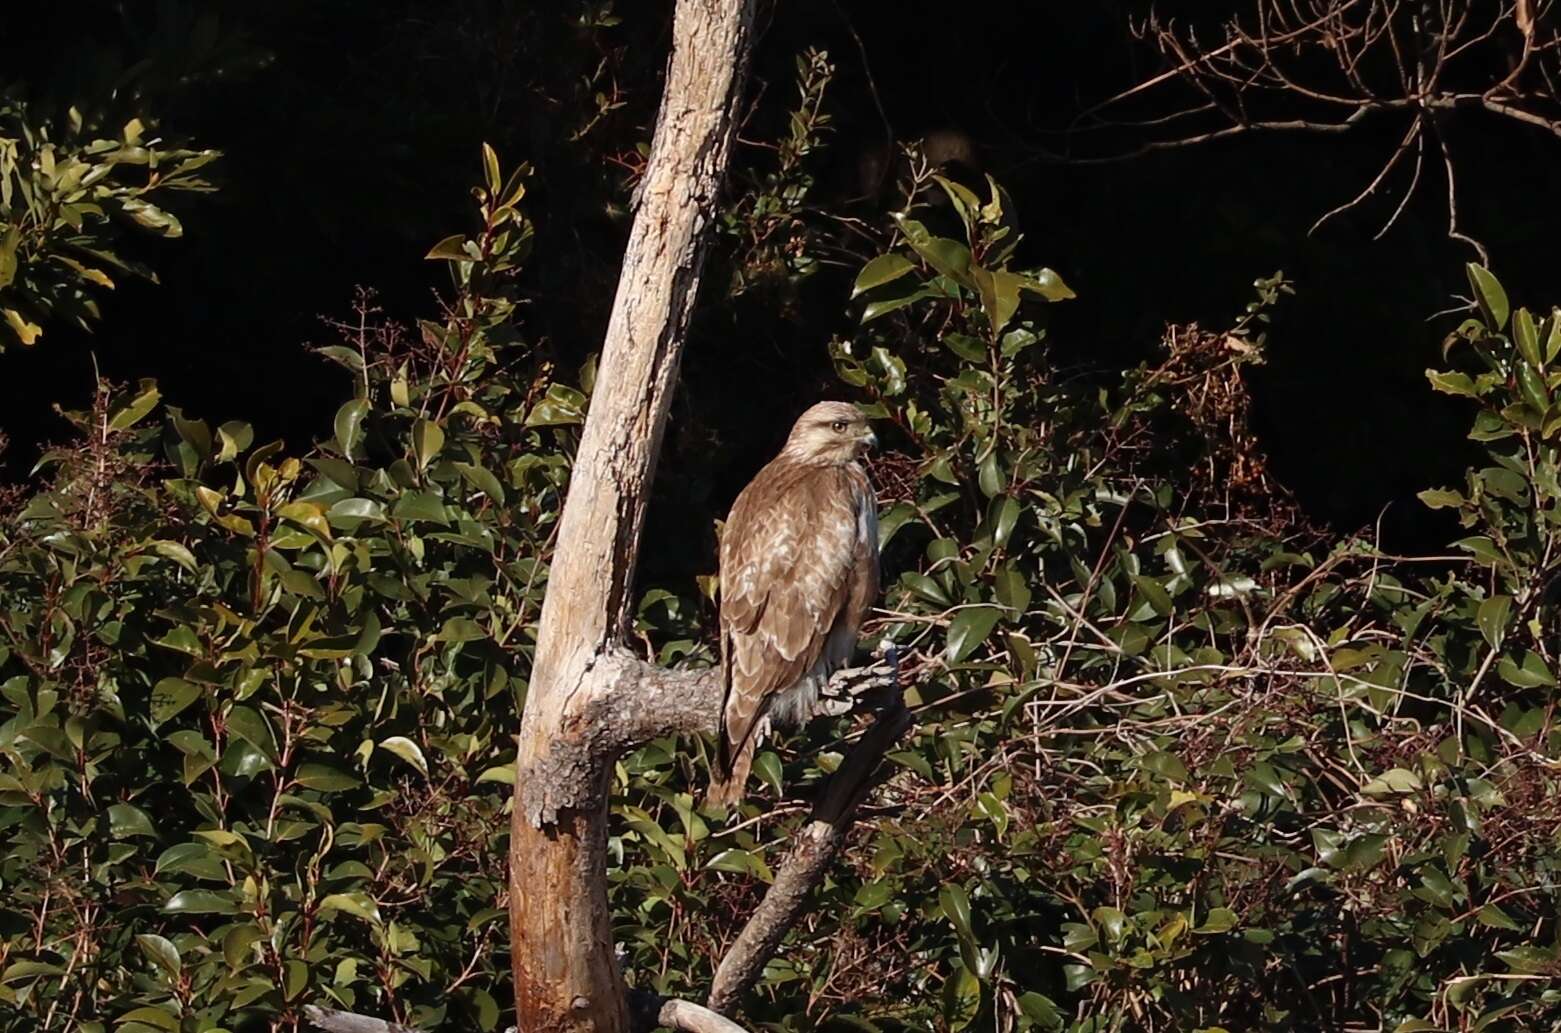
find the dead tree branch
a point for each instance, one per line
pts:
(813, 850)
(583, 674)
(652, 1011)
(333, 1021)
(1328, 66)
(647, 1011)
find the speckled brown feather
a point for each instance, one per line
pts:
(799, 561)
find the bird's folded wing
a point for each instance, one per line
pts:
(787, 555)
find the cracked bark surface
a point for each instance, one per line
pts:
(566, 976)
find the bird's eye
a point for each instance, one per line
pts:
(838, 426)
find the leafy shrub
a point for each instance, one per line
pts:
(259, 709)
(60, 200)
(1183, 762)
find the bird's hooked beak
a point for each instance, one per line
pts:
(868, 440)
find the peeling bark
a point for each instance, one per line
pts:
(566, 976)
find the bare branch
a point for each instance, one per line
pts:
(1452, 203)
(650, 1011)
(566, 977)
(1398, 152)
(813, 850)
(334, 1021)
(1323, 66)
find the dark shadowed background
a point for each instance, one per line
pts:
(350, 135)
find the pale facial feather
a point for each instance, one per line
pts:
(831, 433)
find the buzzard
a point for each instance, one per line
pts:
(799, 569)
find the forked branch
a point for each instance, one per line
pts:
(812, 851)
(1330, 66)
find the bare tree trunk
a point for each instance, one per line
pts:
(586, 690)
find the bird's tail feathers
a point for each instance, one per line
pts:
(727, 781)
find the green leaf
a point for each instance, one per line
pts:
(427, 441)
(1008, 511)
(237, 941)
(353, 511)
(170, 696)
(1011, 589)
(956, 908)
(1219, 920)
(768, 767)
(161, 952)
(1111, 921)
(148, 1018)
(1483, 550)
(8, 262)
(961, 999)
(561, 406)
(323, 778)
(1394, 780)
(1492, 618)
(1489, 294)
(947, 257)
(1452, 383)
(1496, 918)
(149, 216)
(358, 905)
(450, 249)
(187, 857)
(966, 347)
(25, 969)
(349, 425)
(741, 862)
(483, 480)
(504, 774)
(235, 437)
(1532, 674)
(201, 902)
(884, 306)
(132, 411)
(1438, 498)
(999, 292)
(248, 724)
(461, 629)
(1040, 1009)
(969, 628)
(307, 514)
(1048, 285)
(176, 552)
(1154, 594)
(1525, 334)
(26, 331)
(881, 270)
(420, 506)
(1167, 765)
(126, 820)
(490, 166)
(407, 750)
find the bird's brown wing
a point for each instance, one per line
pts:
(787, 555)
(863, 589)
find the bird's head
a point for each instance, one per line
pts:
(831, 433)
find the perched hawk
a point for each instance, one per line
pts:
(799, 569)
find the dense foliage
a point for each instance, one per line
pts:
(61, 202)
(1181, 762)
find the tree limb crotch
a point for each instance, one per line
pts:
(566, 977)
(812, 851)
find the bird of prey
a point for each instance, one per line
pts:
(799, 569)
